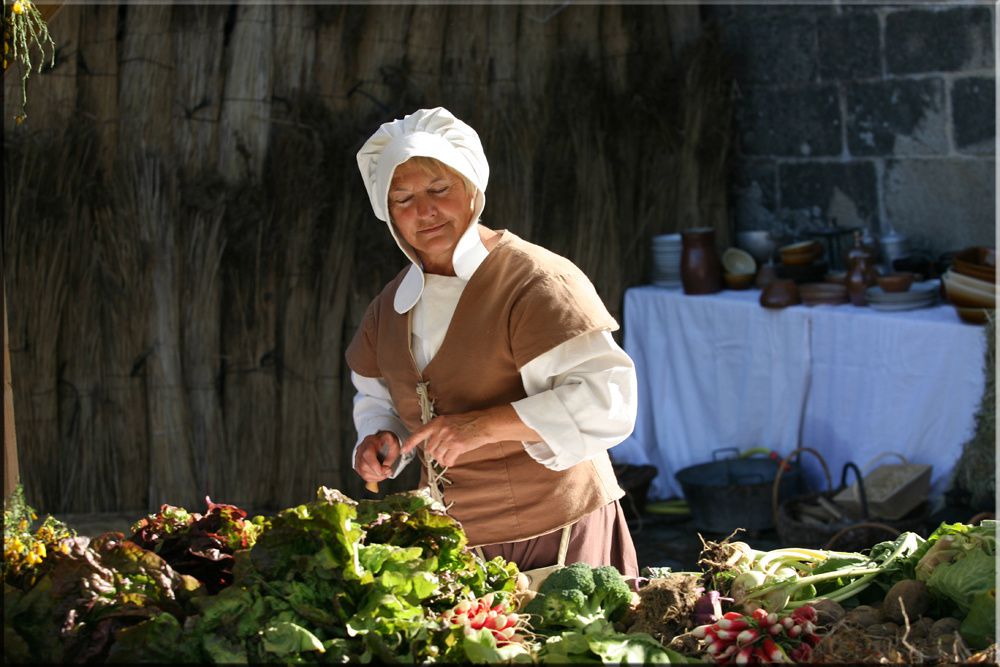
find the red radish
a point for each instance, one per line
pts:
(744, 655)
(772, 651)
(717, 647)
(776, 629)
(701, 631)
(802, 653)
(734, 624)
(748, 637)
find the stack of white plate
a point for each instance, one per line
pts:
(920, 295)
(666, 267)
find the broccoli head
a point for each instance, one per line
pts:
(577, 595)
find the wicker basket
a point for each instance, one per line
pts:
(853, 533)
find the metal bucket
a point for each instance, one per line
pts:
(730, 493)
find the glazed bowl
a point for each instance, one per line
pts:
(976, 262)
(780, 293)
(738, 280)
(758, 243)
(968, 292)
(738, 261)
(803, 252)
(896, 282)
(974, 315)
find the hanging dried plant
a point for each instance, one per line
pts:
(24, 27)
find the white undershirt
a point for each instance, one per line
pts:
(581, 395)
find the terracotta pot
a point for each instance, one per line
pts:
(701, 270)
(780, 293)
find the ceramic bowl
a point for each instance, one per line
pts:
(974, 315)
(758, 243)
(896, 282)
(780, 293)
(803, 252)
(836, 277)
(967, 292)
(977, 262)
(822, 293)
(738, 280)
(738, 261)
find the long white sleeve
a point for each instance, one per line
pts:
(581, 394)
(374, 412)
(581, 399)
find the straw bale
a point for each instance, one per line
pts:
(152, 203)
(124, 312)
(36, 256)
(299, 409)
(684, 27)
(85, 467)
(334, 290)
(333, 59)
(536, 47)
(246, 103)
(424, 48)
(97, 81)
(510, 137)
(464, 73)
(200, 287)
(376, 73)
(146, 80)
(197, 39)
(294, 49)
(579, 32)
(249, 348)
(615, 43)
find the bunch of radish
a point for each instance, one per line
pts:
(499, 618)
(760, 637)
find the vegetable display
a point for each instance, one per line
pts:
(391, 580)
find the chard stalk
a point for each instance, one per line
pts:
(865, 574)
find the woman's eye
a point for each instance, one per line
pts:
(439, 191)
(401, 201)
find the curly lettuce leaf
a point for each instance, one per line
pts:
(285, 638)
(979, 627)
(961, 580)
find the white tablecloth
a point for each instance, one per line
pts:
(720, 371)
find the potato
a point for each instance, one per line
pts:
(864, 616)
(908, 594)
(944, 626)
(920, 628)
(882, 630)
(828, 612)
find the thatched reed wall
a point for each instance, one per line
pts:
(188, 246)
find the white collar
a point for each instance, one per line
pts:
(469, 254)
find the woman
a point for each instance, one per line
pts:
(491, 359)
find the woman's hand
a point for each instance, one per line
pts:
(449, 436)
(376, 455)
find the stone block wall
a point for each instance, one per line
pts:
(873, 116)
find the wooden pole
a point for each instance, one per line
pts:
(10, 472)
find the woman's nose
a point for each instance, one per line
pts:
(425, 207)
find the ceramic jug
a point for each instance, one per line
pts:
(701, 270)
(861, 273)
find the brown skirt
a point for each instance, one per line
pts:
(600, 538)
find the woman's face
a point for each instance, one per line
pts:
(431, 209)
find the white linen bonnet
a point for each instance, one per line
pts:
(434, 133)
